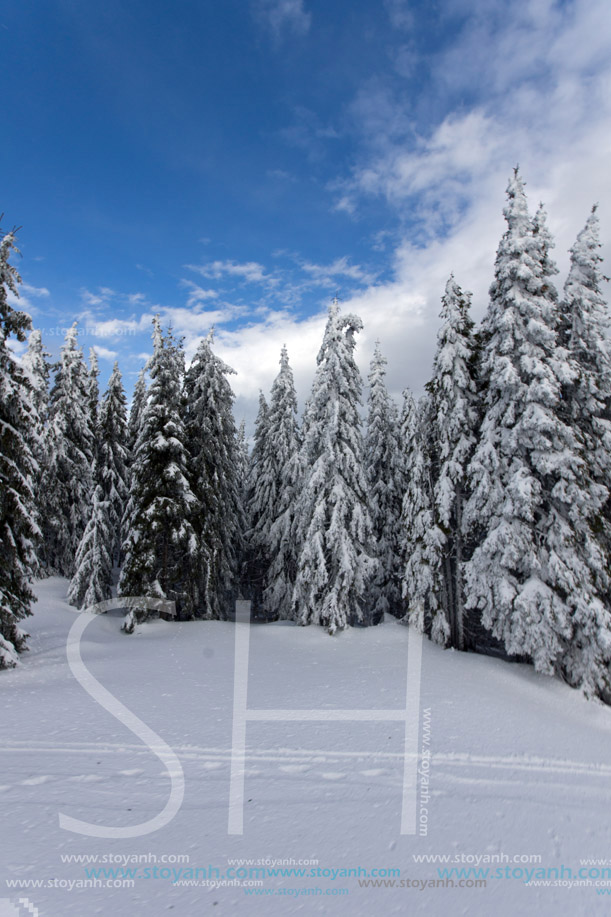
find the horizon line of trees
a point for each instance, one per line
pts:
(479, 514)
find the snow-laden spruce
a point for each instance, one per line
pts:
(454, 421)
(19, 531)
(259, 501)
(335, 563)
(94, 397)
(67, 479)
(214, 469)
(422, 538)
(92, 580)
(284, 468)
(161, 544)
(529, 576)
(585, 324)
(114, 457)
(385, 497)
(35, 364)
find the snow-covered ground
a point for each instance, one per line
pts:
(520, 766)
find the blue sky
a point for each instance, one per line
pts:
(235, 163)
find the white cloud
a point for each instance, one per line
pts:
(34, 291)
(326, 274)
(105, 353)
(250, 271)
(282, 17)
(197, 294)
(399, 13)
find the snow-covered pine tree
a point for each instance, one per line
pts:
(68, 480)
(161, 544)
(585, 320)
(18, 526)
(92, 581)
(215, 462)
(529, 576)
(94, 394)
(422, 538)
(243, 453)
(36, 366)
(381, 463)
(260, 498)
(136, 410)
(335, 562)
(285, 466)
(134, 424)
(114, 457)
(454, 424)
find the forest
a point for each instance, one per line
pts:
(479, 514)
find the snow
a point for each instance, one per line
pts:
(519, 764)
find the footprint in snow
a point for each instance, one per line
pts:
(34, 781)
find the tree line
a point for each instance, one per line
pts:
(479, 514)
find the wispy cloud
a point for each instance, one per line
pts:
(105, 353)
(250, 271)
(327, 274)
(197, 294)
(283, 17)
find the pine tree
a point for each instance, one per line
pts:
(335, 565)
(161, 543)
(18, 526)
(260, 498)
(585, 320)
(381, 458)
(36, 366)
(114, 457)
(215, 462)
(136, 410)
(68, 481)
(423, 539)
(243, 453)
(134, 425)
(285, 468)
(454, 423)
(92, 580)
(530, 499)
(94, 394)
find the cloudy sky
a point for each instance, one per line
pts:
(235, 164)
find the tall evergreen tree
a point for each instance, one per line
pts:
(18, 526)
(381, 462)
(215, 462)
(36, 366)
(161, 543)
(454, 422)
(94, 392)
(137, 410)
(260, 497)
(114, 457)
(68, 480)
(283, 457)
(585, 320)
(530, 500)
(335, 562)
(92, 580)
(423, 539)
